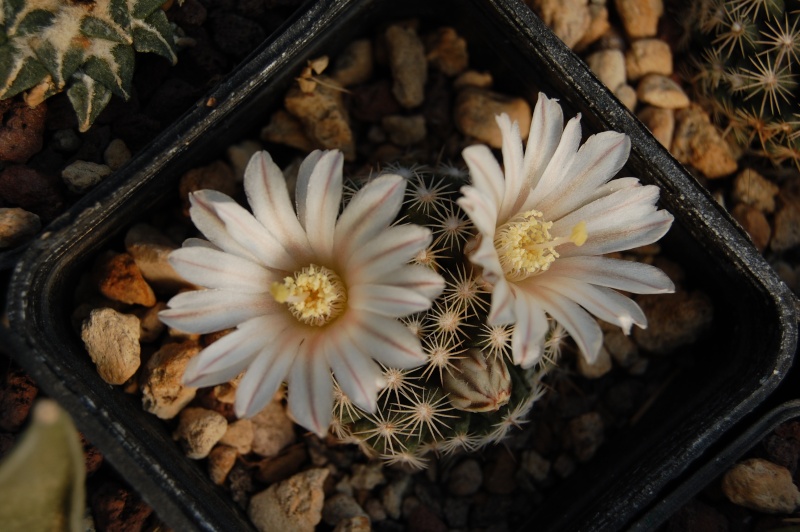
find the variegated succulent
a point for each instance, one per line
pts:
(85, 47)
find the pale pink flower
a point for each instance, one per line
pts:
(545, 219)
(308, 291)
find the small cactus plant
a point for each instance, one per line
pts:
(85, 47)
(469, 394)
(746, 72)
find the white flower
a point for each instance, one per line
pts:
(308, 291)
(545, 220)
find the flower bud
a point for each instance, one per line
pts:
(478, 383)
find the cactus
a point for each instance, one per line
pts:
(469, 394)
(85, 47)
(744, 69)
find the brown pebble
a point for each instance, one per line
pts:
(293, 504)
(499, 472)
(673, 320)
(475, 111)
(751, 188)
(627, 95)
(119, 278)
(16, 226)
(285, 129)
(21, 131)
(92, 457)
(640, 17)
(405, 130)
(163, 392)
(31, 190)
(239, 436)
(370, 103)
(447, 51)
(648, 56)
(273, 430)
(755, 223)
(408, 65)
(215, 176)
(198, 431)
(598, 26)
(569, 19)
(357, 523)
(354, 65)
(660, 122)
(422, 519)
(786, 233)
(661, 91)
(761, 486)
(473, 78)
(465, 478)
(282, 466)
(17, 393)
(598, 368)
(585, 435)
(609, 67)
(112, 341)
(699, 143)
(220, 462)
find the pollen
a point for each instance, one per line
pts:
(526, 247)
(315, 295)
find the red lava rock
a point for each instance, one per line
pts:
(92, 457)
(17, 393)
(422, 519)
(118, 509)
(31, 190)
(120, 279)
(21, 131)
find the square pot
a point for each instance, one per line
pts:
(736, 365)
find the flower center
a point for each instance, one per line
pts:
(526, 247)
(315, 294)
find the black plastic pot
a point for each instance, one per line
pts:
(736, 365)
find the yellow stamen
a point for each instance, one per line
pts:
(526, 247)
(315, 295)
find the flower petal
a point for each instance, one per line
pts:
(385, 253)
(620, 209)
(204, 215)
(643, 232)
(624, 275)
(482, 212)
(205, 311)
(419, 278)
(217, 269)
(265, 374)
(268, 196)
(311, 390)
(485, 172)
(318, 197)
(530, 328)
(387, 341)
(386, 300)
(370, 211)
(502, 308)
(557, 168)
(515, 178)
(485, 256)
(359, 377)
(543, 139)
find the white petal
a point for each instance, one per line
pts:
(217, 269)
(318, 199)
(515, 179)
(597, 161)
(545, 134)
(558, 167)
(419, 278)
(205, 311)
(482, 212)
(389, 301)
(230, 355)
(615, 185)
(268, 196)
(370, 211)
(624, 275)
(204, 215)
(199, 243)
(485, 172)
(606, 304)
(359, 377)
(643, 232)
(502, 308)
(385, 253)
(311, 390)
(578, 323)
(254, 237)
(485, 256)
(303, 180)
(530, 328)
(617, 210)
(387, 341)
(265, 374)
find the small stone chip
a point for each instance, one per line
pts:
(661, 91)
(408, 64)
(475, 112)
(199, 430)
(640, 17)
(81, 176)
(16, 226)
(569, 20)
(648, 56)
(163, 392)
(112, 340)
(761, 486)
(294, 504)
(119, 278)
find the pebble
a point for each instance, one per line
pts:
(408, 64)
(585, 435)
(16, 226)
(272, 430)
(294, 504)
(648, 56)
(392, 495)
(282, 466)
(215, 176)
(113, 504)
(787, 227)
(473, 78)
(640, 17)
(751, 188)
(755, 223)
(660, 122)
(782, 447)
(65, 140)
(150, 250)
(239, 436)
(150, 325)
(21, 130)
(354, 65)
(498, 472)
(112, 341)
(221, 460)
(600, 367)
(358, 523)
(340, 506)
(761, 486)
(17, 394)
(239, 155)
(80, 176)
(465, 478)
(621, 347)
(661, 91)
(323, 115)
(563, 466)
(673, 320)
(199, 430)
(609, 66)
(699, 143)
(370, 103)
(405, 130)
(285, 129)
(367, 476)
(118, 278)
(535, 465)
(598, 25)
(163, 392)
(116, 154)
(475, 111)
(568, 19)
(447, 51)
(374, 510)
(627, 95)
(31, 190)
